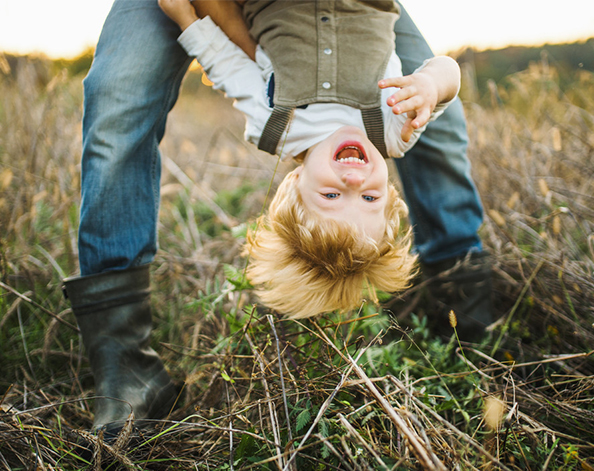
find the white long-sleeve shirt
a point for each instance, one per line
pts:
(246, 81)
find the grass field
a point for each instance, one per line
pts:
(372, 390)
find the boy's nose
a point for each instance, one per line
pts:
(353, 179)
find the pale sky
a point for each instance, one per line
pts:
(63, 28)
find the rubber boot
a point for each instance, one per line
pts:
(113, 314)
(463, 285)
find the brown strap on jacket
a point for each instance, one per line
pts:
(281, 115)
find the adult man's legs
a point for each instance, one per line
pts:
(132, 85)
(445, 209)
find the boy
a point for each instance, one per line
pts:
(331, 228)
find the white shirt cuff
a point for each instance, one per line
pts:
(201, 35)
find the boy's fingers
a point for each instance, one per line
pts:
(422, 118)
(393, 82)
(410, 104)
(407, 130)
(401, 95)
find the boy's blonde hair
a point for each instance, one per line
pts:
(303, 264)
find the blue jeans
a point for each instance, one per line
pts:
(132, 85)
(445, 209)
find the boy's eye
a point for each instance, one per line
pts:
(369, 198)
(331, 196)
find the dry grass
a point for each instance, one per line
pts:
(263, 393)
(532, 165)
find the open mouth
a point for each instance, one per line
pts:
(350, 153)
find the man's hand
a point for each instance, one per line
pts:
(419, 93)
(180, 11)
(226, 14)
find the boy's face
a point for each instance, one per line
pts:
(344, 177)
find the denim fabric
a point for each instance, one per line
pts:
(134, 82)
(132, 85)
(445, 209)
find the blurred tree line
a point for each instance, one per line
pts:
(495, 65)
(484, 66)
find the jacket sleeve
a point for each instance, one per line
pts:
(230, 69)
(393, 126)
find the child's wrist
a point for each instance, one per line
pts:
(185, 22)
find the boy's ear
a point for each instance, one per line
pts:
(299, 158)
(298, 170)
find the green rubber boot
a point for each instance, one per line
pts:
(113, 314)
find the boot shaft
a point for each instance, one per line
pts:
(114, 316)
(112, 307)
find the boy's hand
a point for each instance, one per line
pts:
(418, 96)
(180, 11)
(437, 82)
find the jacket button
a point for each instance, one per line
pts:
(327, 85)
(327, 51)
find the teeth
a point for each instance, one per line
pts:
(352, 160)
(351, 155)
